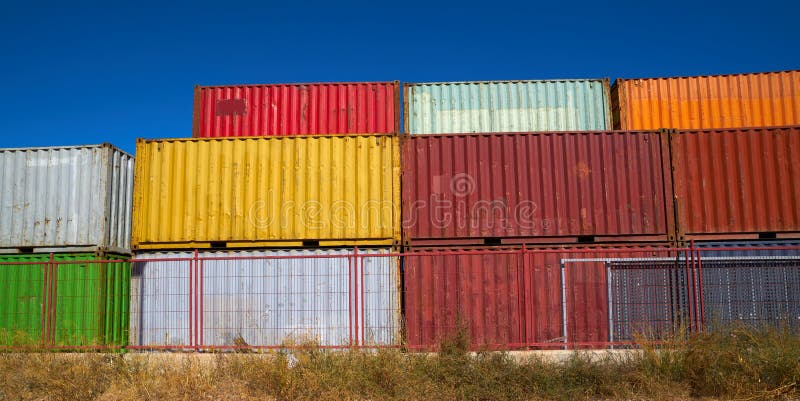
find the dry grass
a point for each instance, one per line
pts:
(737, 364)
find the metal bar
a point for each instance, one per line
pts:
(695, 289)
(689, 297)
(45, 300)
(201, 309)
(53, 302)
(355, 293)
(191, 301)
(701, 295)
(360, 263)
(350, 296)
(610, 305)
(564, 301)
(521, 309)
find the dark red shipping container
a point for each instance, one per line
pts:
(737, 183)
(514, 298)
(296, 109)
(560, 187)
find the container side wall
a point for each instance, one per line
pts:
(534, 185)
(519, 106)
(247, 190)
(120, 200)
(62, 198)
(296, 109)
(21, 299)
(447, 293)
(508, 300)
(708, 102)
(737, 181)
(268, 302)
(89, 299)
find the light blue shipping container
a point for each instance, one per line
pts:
(507, 106)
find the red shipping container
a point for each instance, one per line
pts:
(296, 109)
(737, 183)
(513, 298)
(508, 188)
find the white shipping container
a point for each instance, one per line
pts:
(265, 298)
(67, 198)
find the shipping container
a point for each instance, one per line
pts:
(70, 198)
(267, 191)
(536, 187)
(507, 106)
(529, 298)
(737, 184)
(755, 283)
(707, 102)
(71, 300)
(266, 298)
(296, 109)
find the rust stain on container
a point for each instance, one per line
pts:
(296, 109)
(738, 183)
(610, 185)
(705, 102)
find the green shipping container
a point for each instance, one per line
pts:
(76, 304)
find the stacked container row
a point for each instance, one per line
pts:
(65, 221)
(275, 177)
(466, 184)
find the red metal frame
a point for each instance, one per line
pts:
(690, 257)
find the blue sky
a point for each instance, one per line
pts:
(80, 73)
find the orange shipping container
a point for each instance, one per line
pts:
(707, 102)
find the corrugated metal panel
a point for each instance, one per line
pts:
(602, 184)
(306, 294)
(90, 299)
(509, 300)
(268, 191)
(703, 102)
(507, 106)
(480, 292)
(735, 182)
(292, 109)
(66, 197)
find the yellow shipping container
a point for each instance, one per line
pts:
(707, 102)
(267, 191)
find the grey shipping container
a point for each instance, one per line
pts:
(69, 198)
(265, 298)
